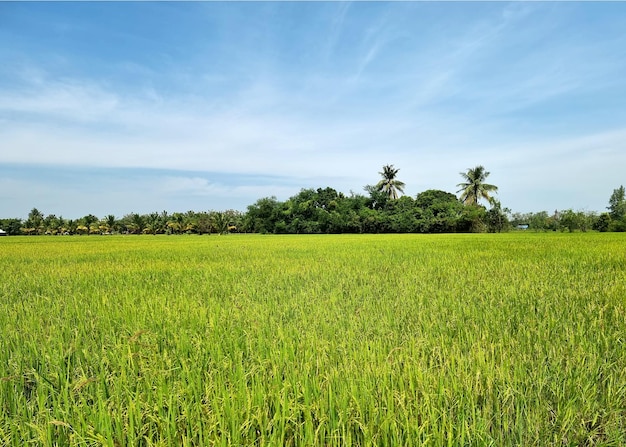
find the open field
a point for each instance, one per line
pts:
(508, 339)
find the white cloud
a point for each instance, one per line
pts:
(200, 186)
(432, 104)
(64, 100)
(188, 185)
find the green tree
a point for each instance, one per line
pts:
(71, 226)
(111, 223)
(617, 204)
(403, 215)
(190, 222)
(220, 222)
(89, 221)
(440, 211)
(389, 184)
(175, 223)
(12, 227)
(539, 221)
(154, 223)
(602, 223)
(474, 188)
(136, 223)
(34, 223)
(617, 210)
(52, 224)
(264, 215)
(497, 220)
(204, 224)
(568, 221)
(377, 198)
(473, 219)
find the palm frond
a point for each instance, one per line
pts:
(474, 188)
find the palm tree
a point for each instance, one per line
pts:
(137, 223)
(474, 188)
(111, 222)
(389, 185)
(220, 222)
(88, 221)
(35, 222)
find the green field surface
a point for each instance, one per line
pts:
(329, 340)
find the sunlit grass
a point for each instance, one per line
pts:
(512, 339)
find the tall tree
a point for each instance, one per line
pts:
(34, 223)
(389, 184)
(617, 204)
(474, 187)
(497, 217)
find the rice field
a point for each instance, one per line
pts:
(340, 340)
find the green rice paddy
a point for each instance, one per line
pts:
(387, 340)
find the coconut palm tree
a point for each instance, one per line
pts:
(35, 222)
(110, 222)
(474, 188)
(389, 184)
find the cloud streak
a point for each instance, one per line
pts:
(431, 88)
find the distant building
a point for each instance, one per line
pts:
(522, 227)
(2, 232)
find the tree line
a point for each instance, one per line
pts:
(382, 209)
(153, 223)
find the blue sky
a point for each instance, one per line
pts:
(113, 107)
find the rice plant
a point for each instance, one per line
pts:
(413, 340)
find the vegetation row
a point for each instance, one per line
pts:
(324, 210)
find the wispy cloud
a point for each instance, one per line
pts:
(61, 101)
(335, 31)
(258, 89)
